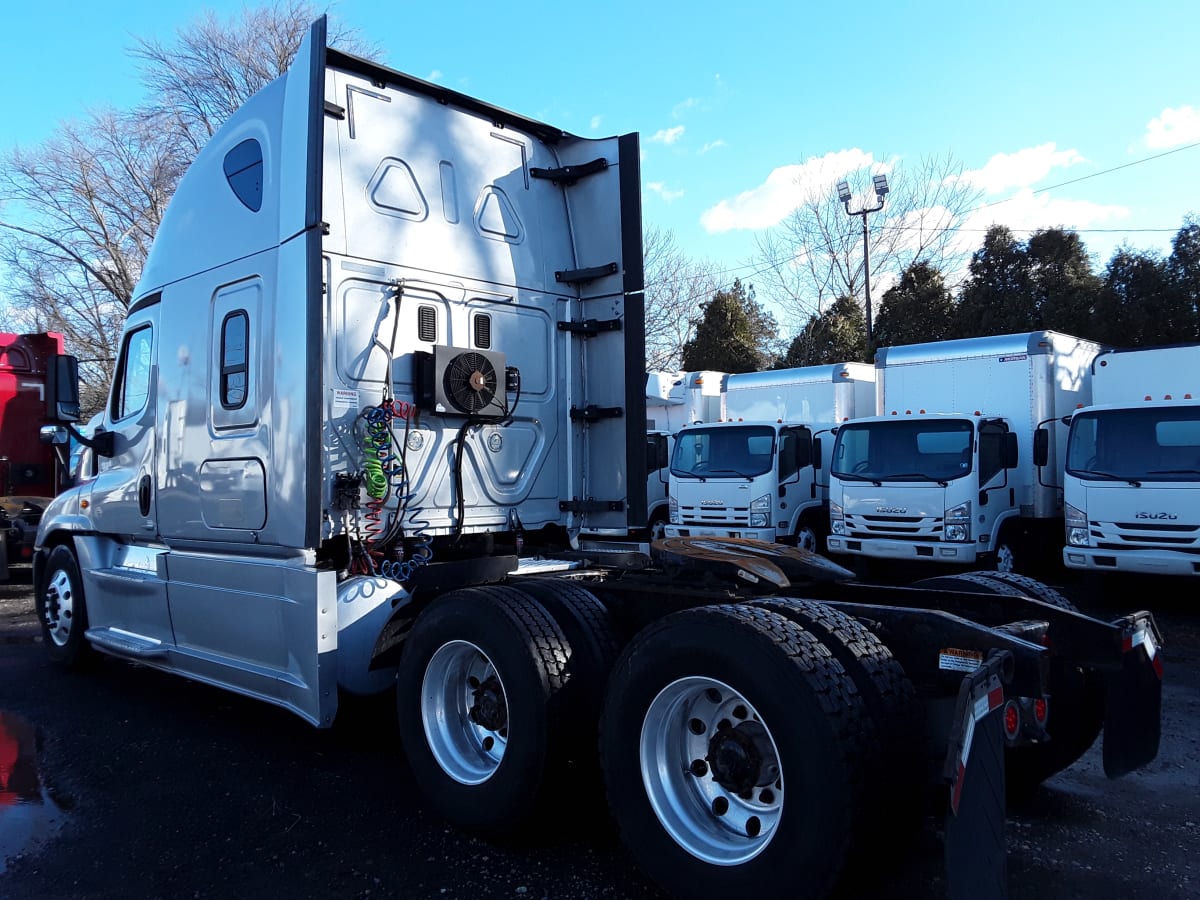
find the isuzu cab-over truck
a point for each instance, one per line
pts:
(755, 473)
(381, 393)
(1132, 480)
(945, 473)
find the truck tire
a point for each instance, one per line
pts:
(1076, 694)
(482, 715)
(1010, 556)
(62, 610)
(657, 529)
(894, 768)
(809, 537)
(589, 632)
(714, 717)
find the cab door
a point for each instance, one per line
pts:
(123, 494)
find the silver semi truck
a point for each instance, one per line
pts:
(377, 424)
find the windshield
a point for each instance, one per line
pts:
(1152, 444)
(724, 452)
(904, 450)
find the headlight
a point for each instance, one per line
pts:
(673, 511)
(958, 523)
(1077, 537)
(761, 504)
(759, 520)
(837, 523)
(1076, 518)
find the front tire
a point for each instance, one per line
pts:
(480, 703)
(62, 610)
(732, 744)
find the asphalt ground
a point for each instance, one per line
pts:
(153, 786)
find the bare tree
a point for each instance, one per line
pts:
(816, 254)
(78, 213)
(212, 66)
(676, 288)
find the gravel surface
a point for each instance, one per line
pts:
(154, 786)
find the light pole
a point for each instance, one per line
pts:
(881, 190)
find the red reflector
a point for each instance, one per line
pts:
(995, 697)
(1012, 719)
(26, 552)
(1158, 666)
(1039, 710)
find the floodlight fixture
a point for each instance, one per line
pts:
(881, 186)
(843, 189)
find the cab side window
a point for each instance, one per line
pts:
(133, 373)
(991, 451)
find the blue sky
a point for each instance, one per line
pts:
(730, 98)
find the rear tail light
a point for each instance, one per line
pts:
(1012, 719)
(1040, 711)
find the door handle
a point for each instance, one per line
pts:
(144, 495)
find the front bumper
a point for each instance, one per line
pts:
(889, 548)
(721, 531)
(1141, 560)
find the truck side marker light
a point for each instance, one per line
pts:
(921, 411)
(84, 504)
(1166, 396)
(1012, 718)
(1039, 710)
(1148, 397)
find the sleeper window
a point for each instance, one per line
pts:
(235, 360)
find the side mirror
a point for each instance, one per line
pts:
(816, 453)
(1012, 454)
(54, 434)
(62, 389)
(1041, 447)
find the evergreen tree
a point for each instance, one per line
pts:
(920, 308)
(837, 335)
(735, 334)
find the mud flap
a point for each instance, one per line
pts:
(976, 855)
(1133, 701)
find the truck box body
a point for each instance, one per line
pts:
(346, 271)
(733, 479)
(673, 399)
(940, 406)
(1132, 478)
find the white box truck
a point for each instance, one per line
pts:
(381, 386)
(945, 473)
(1132, 480)
(673, 399)
(755, 474)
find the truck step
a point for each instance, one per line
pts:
(126, 643)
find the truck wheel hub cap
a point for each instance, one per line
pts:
(743, 758)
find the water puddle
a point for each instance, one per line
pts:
(28, 815)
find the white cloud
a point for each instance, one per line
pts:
(663, 191)
(596, 120)
(435, 75)
(1021, 169)
(712, 145)
(786, 188)
(1173, 128)
(668, 135)
(684, 106)
(1028, 211)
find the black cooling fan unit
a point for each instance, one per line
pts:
(470, 382)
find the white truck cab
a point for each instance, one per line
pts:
(945, 474)
(1132, 479)
(755, 474)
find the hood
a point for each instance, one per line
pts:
(893, 499)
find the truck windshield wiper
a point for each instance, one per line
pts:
(898, 475)
(849, 476)
(731, 472)
(1109, 475)
(1174, 472)
(683, 474)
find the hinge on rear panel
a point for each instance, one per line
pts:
(568, 175)
(589, 327)
(332, 109)
(593, 413)
(581, 276)
(589, 505)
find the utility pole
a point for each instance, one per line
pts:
(881, 191)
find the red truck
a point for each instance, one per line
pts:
(30, 472)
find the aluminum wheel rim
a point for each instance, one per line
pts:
(807, 540)
(59, 608)
(467, 750)
(1004, 559)
(709, 821)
